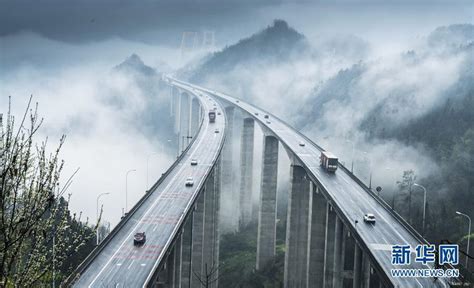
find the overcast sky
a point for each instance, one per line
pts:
(61, 51)
(162, 22)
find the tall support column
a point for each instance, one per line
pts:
(342, 273)
(186, 246)
(170, 265)
(356, 283)
(216, 230)
(267, 208)
(246, 171)
(365, 271)
(177, 262)
(338, 252)
(297, 228)
(171, 100)
(194, 119)
(177, 108)
(209, 218)
(184, 115)
(229, 201)
(162, 280)
(317, 242)
(197, 240)
(329, 246)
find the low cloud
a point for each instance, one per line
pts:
(79, 98)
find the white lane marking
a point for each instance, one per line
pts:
(152, 206)
(253, 109)
(149, 209)
(143, 264)
(131, 264)
(176, 227)
(345, 180)
(119, 264)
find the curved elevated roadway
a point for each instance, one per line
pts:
(349, 197)
(117, 262)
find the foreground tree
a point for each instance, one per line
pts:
(37, 232)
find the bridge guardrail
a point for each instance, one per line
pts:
(387, 207)
(187, 210)
(380, 200)
(84, 264)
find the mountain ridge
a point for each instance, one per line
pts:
(276, 43)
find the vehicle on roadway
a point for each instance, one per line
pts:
(369, 218)
(139, 238)
(218, 113)
(194, 162)
(256, 113)
(189, 182)
(216, 131)
(302, 144)
(328, 161)
(268, 122)
(266, 116)
(212, 116)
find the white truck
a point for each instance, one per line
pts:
(328, 161)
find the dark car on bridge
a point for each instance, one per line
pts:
(139, 238)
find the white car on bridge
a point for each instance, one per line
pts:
(369, 218)
(189, 182)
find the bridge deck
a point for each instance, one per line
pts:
(349, 197)
(120, 263)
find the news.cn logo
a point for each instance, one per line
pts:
(447, 254)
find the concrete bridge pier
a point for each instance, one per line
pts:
(358, 267)
(246, 171)
(194, 117)
(170, 265)
(176, 96)
(329, 246)
(208, 245)
(177, 262)
(266, 236)
(365, 271)
(297, 229)
(184, 120)
(317, 236)
(186, 246)
(338, 253)
(229, 201)
(216, 230)
(171, 89)
(197, 239)
(349, 253)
